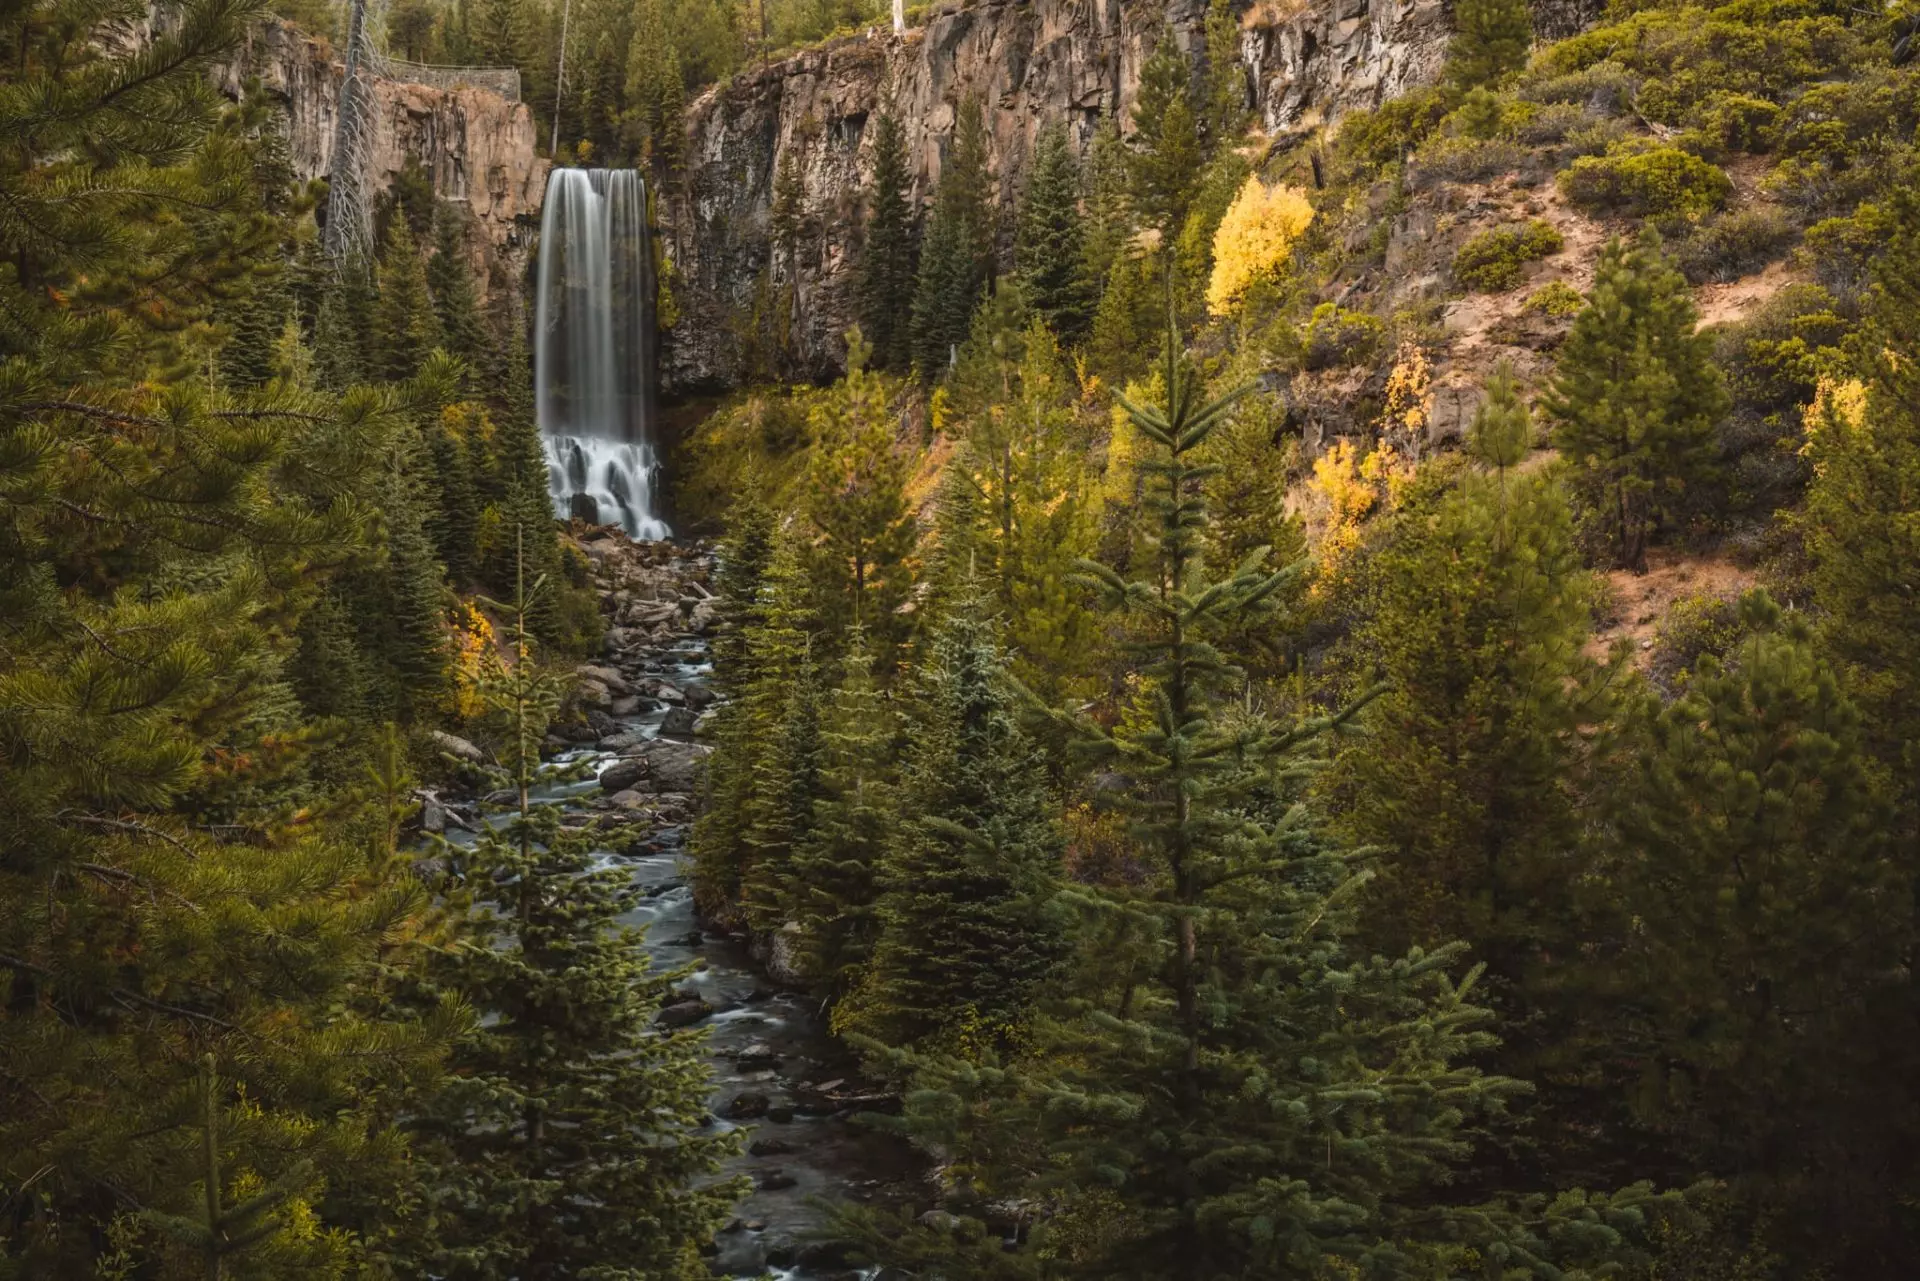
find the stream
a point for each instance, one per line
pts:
(777, 1072)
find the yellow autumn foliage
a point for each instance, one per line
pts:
(1255, 240)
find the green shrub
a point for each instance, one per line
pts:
(1458, 159)
(1694, 627)
(1337, 338)
(1655, 182)
(1739, 122)
(1551, 123)
(1842, 250)
(1556, 298)
(1604, 89)
(1776, 356)
(1597, 136)
(1842, 143)
(1734, 244)
(1370, 140)
(1687, 54)
(1495, 261)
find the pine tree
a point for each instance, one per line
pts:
(570, 1140)
(1049, 248)
(855, 501)
(1635, 395)
(405, 326)
(774, 645)
(605, 99)
(1231, 1093)
(499, 33)
(967, 928)
(836, 867)
(785, 783)
(656, 91)
(1109, 208)
(1747, 835)
(1479, 615)
(956, 256)
(161, 538)
(402, 600)
(343, 329)
(1226, 83)
(1014, 511)
(887, 271)
(456, 303)
(1165, 157)
(1490, 42)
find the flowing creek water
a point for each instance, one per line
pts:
(777, 1072)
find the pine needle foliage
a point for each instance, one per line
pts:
(1635, 396)
(887, 262)
(1237, 1095)
(570, 1140)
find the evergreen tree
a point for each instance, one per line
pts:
(1109, 208)
(956, 256)
(743, 843)
(1479, 615)
(1233, 1094)
(855, 501)
(1165, 159)
(656, 90)
(605, 99)
(161, 538)
(1226, 83)
(1048, 249)
(402, 599)
(967, 928)
(1490, 42)
(1014, 512)
(1747, 836)
(456, 303)
(786, 779)
(887, 262)
(836, 867)
(1635, 395)
(499, 33)
(570, 1140)
(405, 326)
(343, 329)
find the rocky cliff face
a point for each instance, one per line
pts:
(1030, 62)
(478, 145)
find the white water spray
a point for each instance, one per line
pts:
(593, 348)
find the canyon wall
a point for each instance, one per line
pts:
(478, 145)
(1030, 62)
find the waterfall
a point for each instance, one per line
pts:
(593, 348)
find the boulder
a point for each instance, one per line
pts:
(624, 773)
(748, 1105)
(676, 766)
(614, 682)
(455, 746)
(777, 1181)
(679, 723)
(683, 1013)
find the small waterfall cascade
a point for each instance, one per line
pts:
(593, 349)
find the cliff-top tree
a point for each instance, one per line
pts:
(1635, 396)
(887, 261)
(956, 256)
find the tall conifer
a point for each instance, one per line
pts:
(887, 261)
(1049, 247)
(1635, 395)
(956, 256)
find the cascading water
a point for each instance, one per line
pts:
(593, 348)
